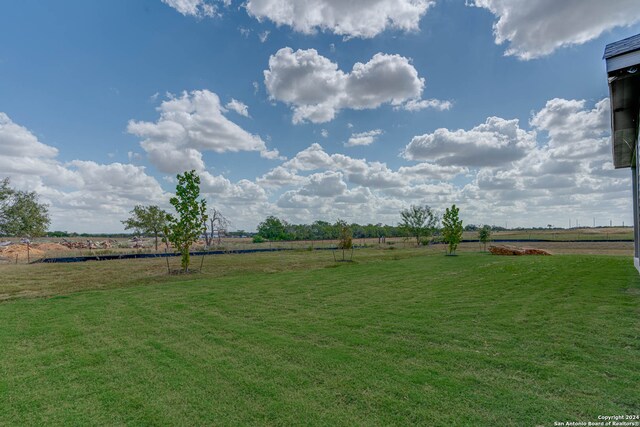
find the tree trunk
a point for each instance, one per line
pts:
(156, 241)
(207, 237)
(185, 259)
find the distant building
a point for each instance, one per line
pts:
(623, 72)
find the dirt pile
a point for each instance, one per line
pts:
(514, 250)
(50, 247)
(533, 251)
(21, 251)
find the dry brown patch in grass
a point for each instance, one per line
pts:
(43, 280)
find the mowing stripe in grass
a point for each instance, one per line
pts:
(471, 340)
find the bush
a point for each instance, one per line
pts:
(258, 239)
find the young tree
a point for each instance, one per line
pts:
(452, 228)
(20, 212)
(147, 220)
(345, 236)
(484, 235)
(419, 221)
(184, 230)
(217, 224)
(273, 228)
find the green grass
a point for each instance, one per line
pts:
(399, 338)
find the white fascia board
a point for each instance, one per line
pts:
(623, 61)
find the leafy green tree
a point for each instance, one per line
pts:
(452, 228)
(147, 220)
(273, 228)
(6, 192)
(21, 214)
(345, 236)
(419, 221)
(185, 229)
(484, 235)
(321, 230)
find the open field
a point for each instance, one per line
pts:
(37, 280)
(603, 233)
(51, 248)
(399, 337)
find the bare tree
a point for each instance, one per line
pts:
(218, 224)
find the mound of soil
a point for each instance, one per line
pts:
(50, 247)
(514, 250)
(20, 250)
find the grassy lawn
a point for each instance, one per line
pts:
(398, 338)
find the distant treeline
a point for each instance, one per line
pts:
(318, 230)
(323, 230)
(63, 234)
(273, 228)
(473, 227)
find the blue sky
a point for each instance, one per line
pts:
(131, 93)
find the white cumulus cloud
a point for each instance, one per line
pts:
(197, 8)
(495, 142)
(82, 195)
(421, 104)
(363, 138)
(537, 28)
(16, 140)
(238, 106)
(189, 125)
(317, 89)
(354, 18)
